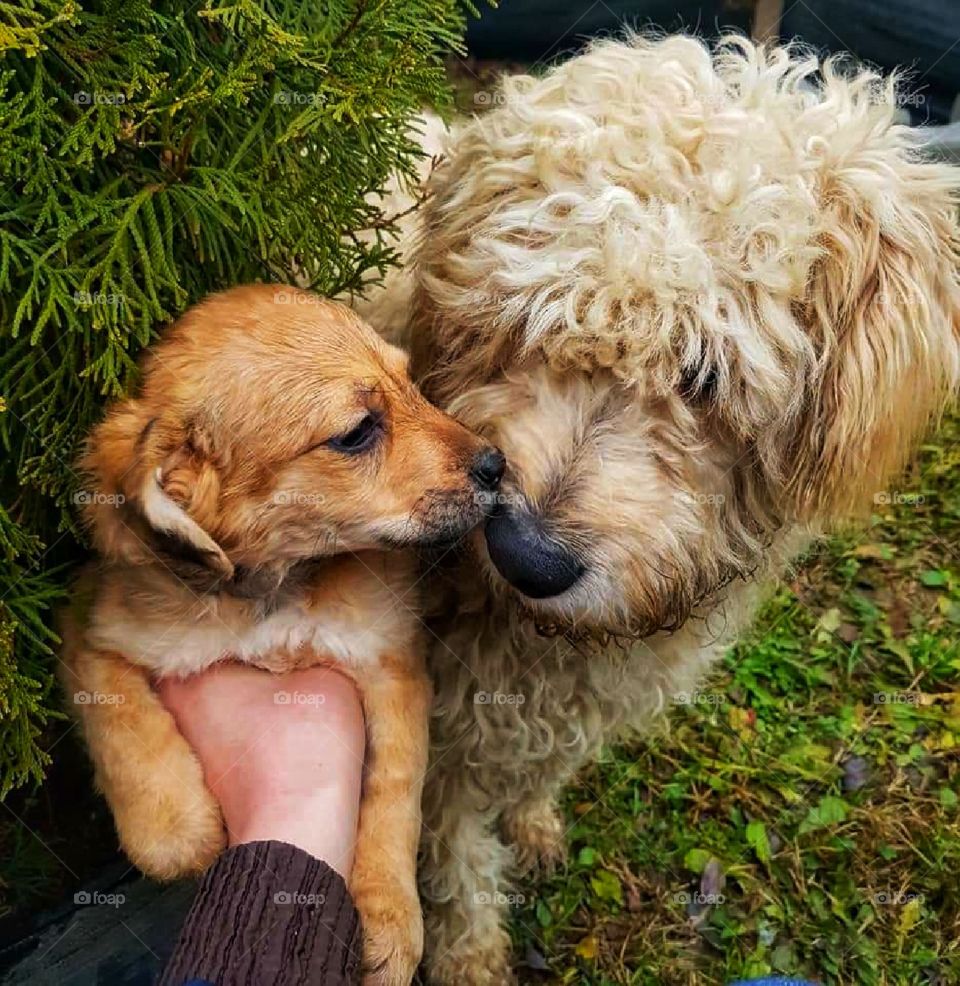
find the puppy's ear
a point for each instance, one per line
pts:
(175, 534)
(884, 305)
(154, 485)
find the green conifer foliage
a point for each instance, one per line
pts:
(152, 152)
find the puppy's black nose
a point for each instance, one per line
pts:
(487, 468)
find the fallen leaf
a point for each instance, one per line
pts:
(533, 959)
(713, 880)
(909, 917)
(848, 632)
(876, 552)
(830, 810)
(856, 773)
(588, 948)
(829, 620)
(696, 859)
(606, 886)
(949, 608)
(757, 840)
(587, 856)
(741, 720)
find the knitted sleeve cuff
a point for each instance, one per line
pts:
(268, 912)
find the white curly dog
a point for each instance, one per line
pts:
(706, 303)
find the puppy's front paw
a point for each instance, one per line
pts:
(172, 834)
(392, 934)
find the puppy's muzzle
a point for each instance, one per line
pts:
(527, 557)
(445, 515)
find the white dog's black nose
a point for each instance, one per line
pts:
(487, 468)
(527, 557)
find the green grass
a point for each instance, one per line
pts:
(800, 815)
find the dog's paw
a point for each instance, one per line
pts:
(171, 836)
(536, 831)
(392, 935)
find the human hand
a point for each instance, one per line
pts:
(285, 770)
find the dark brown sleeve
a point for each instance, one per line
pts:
(268, 913)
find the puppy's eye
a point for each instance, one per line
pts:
(360, 437)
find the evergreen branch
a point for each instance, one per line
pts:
(152, 152)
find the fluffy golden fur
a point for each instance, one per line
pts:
(706, 303)
(240, 505)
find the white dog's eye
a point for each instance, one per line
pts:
(360, 437)
(698, 383)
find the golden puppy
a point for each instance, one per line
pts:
(239, 506)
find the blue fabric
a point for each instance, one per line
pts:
(917, 34)
(773, 981)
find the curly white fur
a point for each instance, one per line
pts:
(706, 303)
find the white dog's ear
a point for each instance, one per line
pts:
(153, 486)
(884, 306)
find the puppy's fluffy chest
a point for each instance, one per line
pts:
(353, 613)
